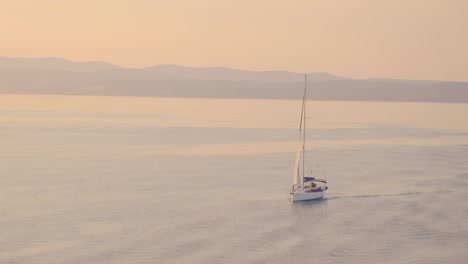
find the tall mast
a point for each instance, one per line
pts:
(304, 132)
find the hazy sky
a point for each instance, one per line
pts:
(412, 39)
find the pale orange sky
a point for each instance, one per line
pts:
(410, 39)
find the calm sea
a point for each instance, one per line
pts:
(158, 180)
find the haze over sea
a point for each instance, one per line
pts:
(168, 180)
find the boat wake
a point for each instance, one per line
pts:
(372, 195)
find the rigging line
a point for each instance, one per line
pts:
(304, 137)
(302, 115)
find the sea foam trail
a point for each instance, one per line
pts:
(331, 197)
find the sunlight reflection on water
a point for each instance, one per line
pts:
(145, 180)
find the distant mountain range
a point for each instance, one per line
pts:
(60, 76)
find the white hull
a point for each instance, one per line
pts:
(305, 196)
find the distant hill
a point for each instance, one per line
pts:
(222, 73)
(54, 64)
(59, 76)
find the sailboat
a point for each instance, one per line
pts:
(305, 188)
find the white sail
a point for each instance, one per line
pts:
(298, 180)
(297, 176)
